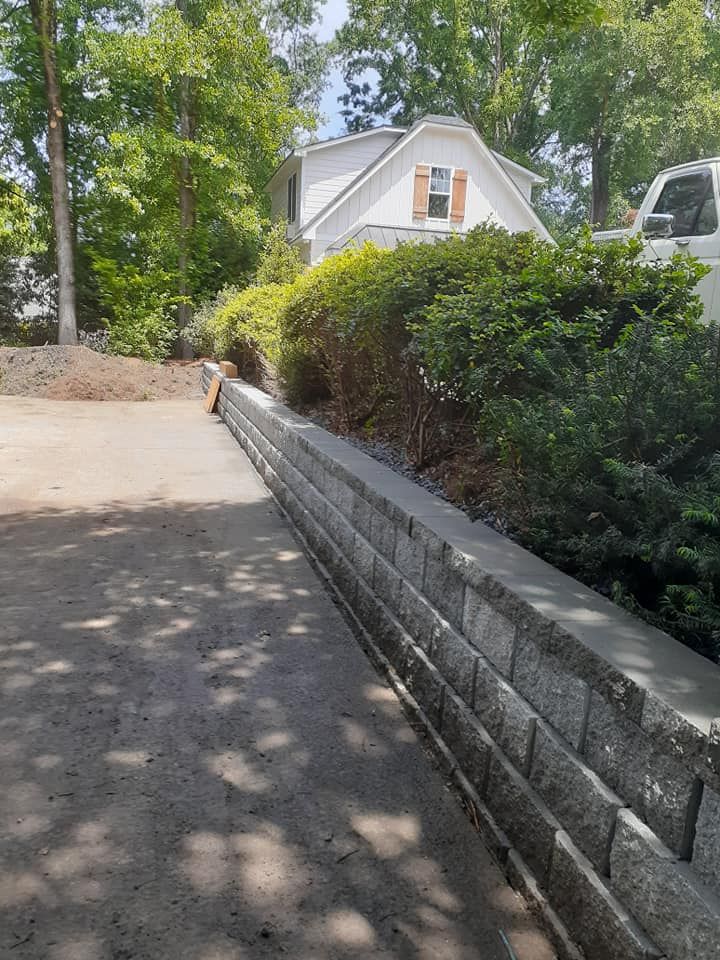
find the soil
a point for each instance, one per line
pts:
(462, 475)
(76, 373)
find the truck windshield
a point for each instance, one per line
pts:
(690, 198)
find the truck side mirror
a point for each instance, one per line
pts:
(656, 226)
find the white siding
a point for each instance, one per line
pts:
(523, 181)
(386, 197)
(330, 169)
(278, 195)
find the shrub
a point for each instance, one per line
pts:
(141, 310)
(247, 326)
(583, 378)
(278, 262)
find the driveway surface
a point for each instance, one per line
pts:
(197, 762)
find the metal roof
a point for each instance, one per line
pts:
(384, 236)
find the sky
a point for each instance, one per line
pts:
(334, 14)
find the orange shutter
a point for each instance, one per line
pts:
(459, 191)
(421, 191)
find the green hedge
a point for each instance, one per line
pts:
(584, 379)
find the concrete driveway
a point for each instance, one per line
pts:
(197, 762)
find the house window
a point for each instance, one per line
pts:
(691, 200)
(292, 198)
(439, 196)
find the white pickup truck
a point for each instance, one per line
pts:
(680, 214)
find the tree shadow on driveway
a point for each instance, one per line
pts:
(198, 762)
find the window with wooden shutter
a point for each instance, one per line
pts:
(421, 191)
(459, 195)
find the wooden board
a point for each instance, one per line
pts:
(228, 369)
(212, 395)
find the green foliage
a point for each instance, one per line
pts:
(278, 262)
(126, 71)
(565, 13)
(249, 327)
(22, 277)
(486, 63)
(216, 65)
(582, 377)
(141, 310)
(636, 93)
(299, 55)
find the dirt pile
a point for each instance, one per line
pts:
(76, 373)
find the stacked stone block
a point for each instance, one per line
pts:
(585, 743)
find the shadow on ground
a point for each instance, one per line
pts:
(198, 762)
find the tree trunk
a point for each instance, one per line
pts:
(600, 201)
(187, 205)
(45, 24)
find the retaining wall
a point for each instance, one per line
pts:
(586, 744)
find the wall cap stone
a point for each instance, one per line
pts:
(611, 649)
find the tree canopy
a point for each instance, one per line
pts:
(141, 135)
(607, 94)
(170, 120)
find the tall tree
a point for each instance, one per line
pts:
(484, 61)
(35, 26)
(49, 133)
(290, 26)
(635, 93)
(198, 114)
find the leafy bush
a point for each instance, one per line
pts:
(247, 326)
(141, 310)
(278, 261)
(582, 379)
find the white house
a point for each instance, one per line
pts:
(391, 184)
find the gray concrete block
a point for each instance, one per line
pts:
(341, 570)
(491, 632)
(522, 814)
(445, 590)
(424, 683)
(706, 850)
(495, 839)
(339, 529)
(382, 534)
(363, 558)
(302, 460)
(558, 696)
(522, 880)
(307, 525)
(602, 926)
(409, 558)
(385, 632)
(455, 659)
(713, 749)
(577, 646)
(509, 720)
(416, 615)
(338, 493)
(674, 733)
(659, 789)
(386, 582)
(576, 795)
(431, 542)
(361, 516)
(676, 910)
(468, 740)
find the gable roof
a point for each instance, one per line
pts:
(533, 177)
(332, 141)
(399, 144)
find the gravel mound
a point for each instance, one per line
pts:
(76, 373)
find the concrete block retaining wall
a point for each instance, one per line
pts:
(586, 744)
